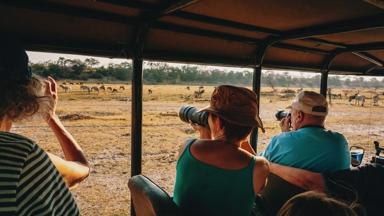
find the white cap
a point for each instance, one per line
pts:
(311, 103)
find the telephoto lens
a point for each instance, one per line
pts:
(280, 114)
(190, 114)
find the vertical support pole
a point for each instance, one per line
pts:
(136, 116)
(325, 71)
(256, 86)
(324, 83)
(136, 119)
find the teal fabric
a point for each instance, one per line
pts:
(311, 148)
(203, 189)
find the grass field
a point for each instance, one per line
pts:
(101, 125)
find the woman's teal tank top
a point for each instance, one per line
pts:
(203, 189)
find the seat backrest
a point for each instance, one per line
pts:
(276, 193)
(149, 199)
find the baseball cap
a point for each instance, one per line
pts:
(310, 102)
(13, 62)
(237, 105)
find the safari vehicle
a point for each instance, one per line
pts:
(344, 37)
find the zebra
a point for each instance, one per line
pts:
(122, 88)
(150, 91)
(358, 98)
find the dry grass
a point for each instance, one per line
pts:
(101, 124)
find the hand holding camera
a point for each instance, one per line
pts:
(285, 120)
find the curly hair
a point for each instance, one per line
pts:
(19, 101)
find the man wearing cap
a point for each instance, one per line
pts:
(309, 145)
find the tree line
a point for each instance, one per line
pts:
(162, 73)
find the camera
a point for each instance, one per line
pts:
(280, 114)
(191, 114)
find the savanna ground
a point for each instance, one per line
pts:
(101, 125)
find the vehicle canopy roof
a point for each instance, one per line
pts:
(344, 36)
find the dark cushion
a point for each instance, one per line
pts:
(276, 193)
(149, 199)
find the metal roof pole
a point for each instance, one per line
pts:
(256, 86)
(325, 71)
(137, 103)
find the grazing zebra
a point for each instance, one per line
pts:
(109, 88)
(85, 88)
(358, 98)
(188, 88)
(114, 90)
(150, 91)
(95, 88)
(122, 88)
(102, 87)
(66, 88)
(375, 100)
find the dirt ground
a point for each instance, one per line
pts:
(101, 124)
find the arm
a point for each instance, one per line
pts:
(299, 177)
(74, 168)
(260, 174)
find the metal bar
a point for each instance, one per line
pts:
(204, 32)
(136, 115)
(324, 83)
(225, 23)
(136, 119)
(178, 5)
(324, 73)
(364, 47)
(369, 58)
(256, 86)
(359, 24)
(133, 4)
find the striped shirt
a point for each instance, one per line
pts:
(29, 182)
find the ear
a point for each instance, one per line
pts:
(300, 116)
(218, 123)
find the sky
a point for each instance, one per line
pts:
(38, 57)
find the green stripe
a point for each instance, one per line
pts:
(15, 150)
(37, 179)
(12, 156)
(31, 165)
(50, 199)
(2, 192)
(26, 200)
(10, 163)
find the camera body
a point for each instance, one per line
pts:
(280, 114)
(191, 114)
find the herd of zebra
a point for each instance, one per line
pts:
(359, 99)
(88, 89)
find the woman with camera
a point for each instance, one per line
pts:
(216, 175)
(33, 182)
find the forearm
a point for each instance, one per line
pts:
(299, 177)
(72, 151)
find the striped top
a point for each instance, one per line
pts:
(29, 182)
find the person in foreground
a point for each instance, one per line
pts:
(309, 145)
(33, 182)
(215, 174)
(315, 204)
(360, 185)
